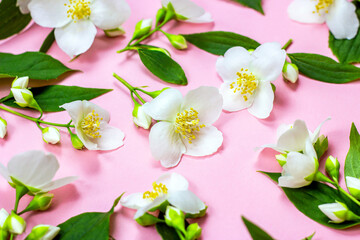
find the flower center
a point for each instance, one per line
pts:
(246, 83)
(322, 4)
(91, 125)
(187, 123)
(158, 189)
(78, 9)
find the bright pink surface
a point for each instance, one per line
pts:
(227, 181)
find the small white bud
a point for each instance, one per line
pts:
(23, 97)
(140, 118)
(51, 135)
(43, 232)
(3, 128)
(16, 224)
(20, 83)
(338, 212)
(290, 72)
(353, 185)
(142, 28)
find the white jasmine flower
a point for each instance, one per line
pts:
(75, 21)
(300, 168)
(43, 232)
(171, 187)
(185, 125)
(35, 170)
(188, 11)
(339, 15)
(91, 125)
(247, 78)
(51, 135)
(293, 137)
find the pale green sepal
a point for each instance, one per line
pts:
(142, 28)
(177, 41)
(154, 94)
(281, 158)
(160, 16)
(170, 13)
(175, 218)
(321, 145)
(197, 215)
(114, 32)
(162, 207)
(354, 192)
(346, 214)
(40, 202)
(193, 232)
(148, 219)
(37, 233)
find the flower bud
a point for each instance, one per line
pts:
(140, 118)
(76, 142)
(3, 128)
(51, 135)
(160, 15)
(20, 83)
(114, 32)
(142, 28)
(332, 167)
(290, 72)
(353, 185)
(40, 202)
(178, 41)
(281, 158)
(23, 97)
(3, 216)
(15, 224)
(338, 212)
(174, 217)
(193, 231)
(43, 232)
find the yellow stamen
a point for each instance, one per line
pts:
(78, 9)
(158, 189)
(246, 83)
(322, 5)
(91, 125)
(187, 123)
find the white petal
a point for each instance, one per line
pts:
(232, 62)
(294, 139)
(234, 101)
(283, 128)
(47, 13)
(76, 37)
(111, 138)
(166, 145)
(157, 202)
(352, 182)
(310, 150)
(205, 18)
(268, 61)
(165, 106)
(173, 182)
(109, 14)
(315, 135)
(134, 201)
(291, 182)
(207, 141)
(185, 8)
(3, 216)
(186, 201)
(303, 11)
(57, 183)
(4, 172)
(263, 101)
(330, 208)
(299, 165)
(207, 101)
(23, 5)
(342, 20)
(33, 168)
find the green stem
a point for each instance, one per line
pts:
(131, 88)
(20, 192)
(11, 236)
(347, 194)
(181, 236)
(34, 119)
(287, 44)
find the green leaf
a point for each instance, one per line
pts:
(324, 69)
(254, 4)
(321, 146)
(352, 161)
(87, 226)
(162, 66)
(307, 199)
(219, 42)
(12, 20)
(51, 97)
(166, 232)
(256, 232)
(49, 40)
(36, 65)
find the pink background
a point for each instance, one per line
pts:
(226, 181)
